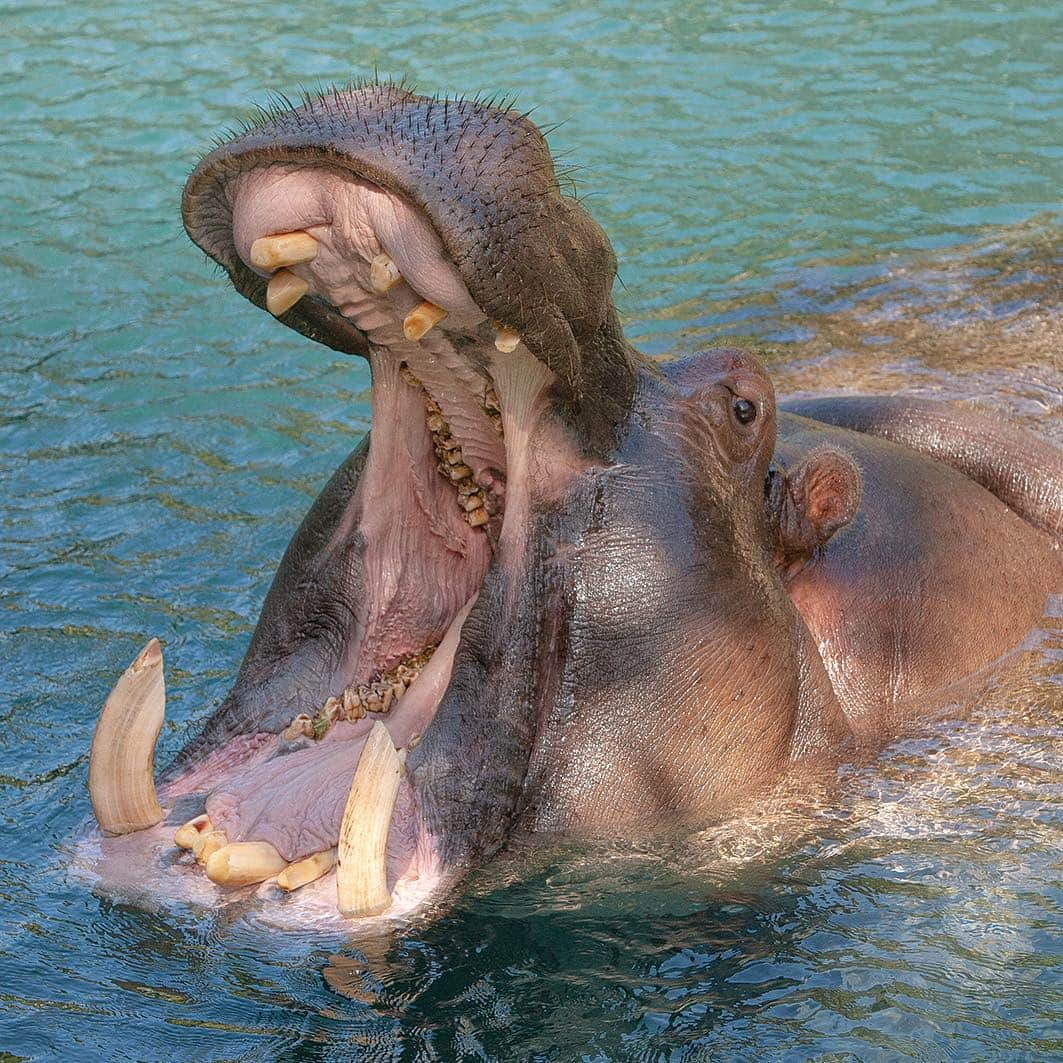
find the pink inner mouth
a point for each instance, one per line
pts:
(296, 800)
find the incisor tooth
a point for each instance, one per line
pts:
(421, 319)
(209, 844)
(383, 274)
(506, 340)
(187, 833)
(242, 863)
(121, 783)
(284, 249)
(361, 860)
(306, 870)
(284, 290)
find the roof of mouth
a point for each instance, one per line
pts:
(532, 259)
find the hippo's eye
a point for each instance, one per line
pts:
(744, 410)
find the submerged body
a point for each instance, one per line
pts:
(575, 590)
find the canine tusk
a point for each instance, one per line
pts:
(285, 249)
(306, 870)
(383, 274)
(421, 320)
(361, 860)
(121, 763)
(242, 863)
(284, 290)
(189, 833)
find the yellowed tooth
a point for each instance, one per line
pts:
(506, 340)
(362, 866)
(208, 845)
(301, 727)
(285, 249)
(421, 320)
(477, 518)
(306, 870)
(121, 763)
(187, 833)
(383, 274)
(242, 863)
(284, 290)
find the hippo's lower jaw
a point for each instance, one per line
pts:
(442, 498)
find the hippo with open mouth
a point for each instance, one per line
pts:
(559, 586)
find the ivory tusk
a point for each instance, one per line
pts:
(121, 762)
(361, 858)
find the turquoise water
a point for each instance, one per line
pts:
(868, 191)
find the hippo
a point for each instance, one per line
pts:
(559, 586)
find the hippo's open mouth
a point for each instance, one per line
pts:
(410, 232)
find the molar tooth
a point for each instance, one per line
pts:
(307, 870)
(301, 727)
(283, 249)
(398, 688)
(459, 472)
(383, 274)
(506, 340)
(352, 705)
(472, 502)
(421, 320)
(435, 423)
(477, 518)
(242, 863)
(284, 290)
(188, 833)
(121, 761)
(361, 867)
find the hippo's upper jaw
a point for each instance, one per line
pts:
(457, 201)
(429, 237)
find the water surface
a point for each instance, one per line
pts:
(866, 191)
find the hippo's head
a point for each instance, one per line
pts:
(499, 589)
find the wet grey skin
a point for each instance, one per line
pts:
(681, 593)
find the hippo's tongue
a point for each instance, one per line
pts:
(296, 802)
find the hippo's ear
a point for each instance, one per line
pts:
(810, 503)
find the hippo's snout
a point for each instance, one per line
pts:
(370, 739)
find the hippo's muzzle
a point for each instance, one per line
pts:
(430, 238)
